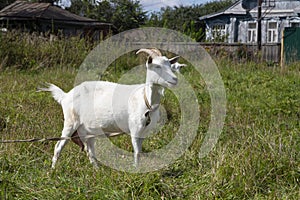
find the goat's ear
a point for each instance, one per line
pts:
(174, 59)
(177, 66)
(149, 60)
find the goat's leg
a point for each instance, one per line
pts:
(58, 147)
(91, 152)
(136, 127)
(137, 148)
(67, 131)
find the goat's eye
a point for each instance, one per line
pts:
(157, 67)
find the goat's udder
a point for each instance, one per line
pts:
(76, 139)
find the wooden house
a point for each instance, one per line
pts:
(48, 18)
(238, 23)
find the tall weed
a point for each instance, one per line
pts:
(22, 51)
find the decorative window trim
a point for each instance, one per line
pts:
(219, 32)
(252, 32)
(272, 31)
(269, 3)
(295, 24)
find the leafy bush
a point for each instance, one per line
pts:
(29, 51)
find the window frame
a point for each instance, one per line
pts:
(272, 32)
(295, 24)
(251, 32)
(218, 32)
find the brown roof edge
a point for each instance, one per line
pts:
(28, 10)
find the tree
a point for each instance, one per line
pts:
(83, 8)
(47, 1)
(123, 14)
(128, 14)
(4, 3)
(186, 18)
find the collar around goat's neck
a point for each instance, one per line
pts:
(152, 100)
(146, 100)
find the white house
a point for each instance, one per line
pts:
(238, 23)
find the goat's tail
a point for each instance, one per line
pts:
(57, 93)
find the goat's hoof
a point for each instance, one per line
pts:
(95, 165)
(136, 165)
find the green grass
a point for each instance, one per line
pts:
(256, 157)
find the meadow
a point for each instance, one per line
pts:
(257, 155)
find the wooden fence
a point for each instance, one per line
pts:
(237, 51)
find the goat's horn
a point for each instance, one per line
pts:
(152, 52)
(156, 51)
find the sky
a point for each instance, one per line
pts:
(155, 5)
(152, 5)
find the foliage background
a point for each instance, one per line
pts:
(128, 14)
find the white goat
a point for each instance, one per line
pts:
(99, 107)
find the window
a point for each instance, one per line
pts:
(251, 32)
(268, 3)
(272, 32)
(219, 32)
(295, 24)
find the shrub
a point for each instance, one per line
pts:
(29, 51)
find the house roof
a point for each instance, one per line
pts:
(234, 9)
(297, 9)
(23, 10)
(282, 8)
